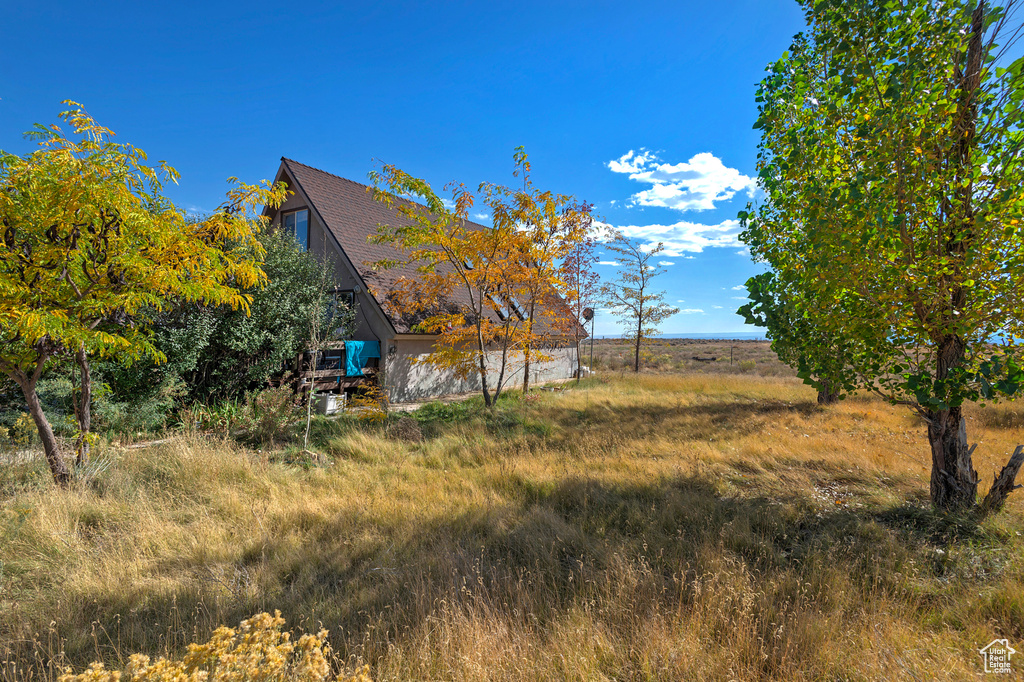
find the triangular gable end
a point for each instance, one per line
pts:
(290, 178)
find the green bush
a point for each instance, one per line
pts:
(220, 353)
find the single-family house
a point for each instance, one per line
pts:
(334, 218)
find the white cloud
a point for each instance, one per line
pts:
(740, 298)
(691, 311)
(680, 301)
(740, 287)
(665, 262)
(607, 262)
(695, 185)
(717, 307)
(680, 238)
(481, 216)
(631, 162)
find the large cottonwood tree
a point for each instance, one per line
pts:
(891, 161)
(91, 249)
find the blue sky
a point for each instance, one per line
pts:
(644, 109)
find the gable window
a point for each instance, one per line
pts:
(296, 223)
(339, 302)
(346, 297)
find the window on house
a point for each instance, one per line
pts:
(344, 296)
(340, 297)
(499, 307)
(296, 223)
(518, 308)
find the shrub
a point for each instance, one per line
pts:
(143, 405)
(407, 429)
(142, 412)
(370, 403)
(23, 431)
(256, 650)
(221, 352)
(269, 414)
(747, 365)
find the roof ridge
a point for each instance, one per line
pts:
(321, 170)
(359, 184)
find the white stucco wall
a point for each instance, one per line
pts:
(408, 380)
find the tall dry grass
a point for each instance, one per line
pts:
(664, 527)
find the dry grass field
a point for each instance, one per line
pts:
(668, 355)
(698, 526)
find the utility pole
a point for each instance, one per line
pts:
(592, 343)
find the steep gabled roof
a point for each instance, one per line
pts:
(348, 210)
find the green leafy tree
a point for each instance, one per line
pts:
(91, 249)
(819, 358)
(631, 297)
(891, 161)
(222, 352)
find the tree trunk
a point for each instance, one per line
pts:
(61, 475)
(83, 410)
(636, 350)
(483, 365)
(954, 482)
(579, 361)
(499, 381)
(827, 394)
(639, 331)
(526, 369)
(312, 389)
(529, 347)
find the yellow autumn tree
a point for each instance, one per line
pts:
(547, 227)
(465, 277)
(91, 250)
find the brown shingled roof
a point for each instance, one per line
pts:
(351, 214)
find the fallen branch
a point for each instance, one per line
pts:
(1003, 484)
(148, 444)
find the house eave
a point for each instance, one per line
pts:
(415, 337)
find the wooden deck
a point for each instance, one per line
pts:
(329, 375)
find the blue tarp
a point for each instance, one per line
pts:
(356, 355)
